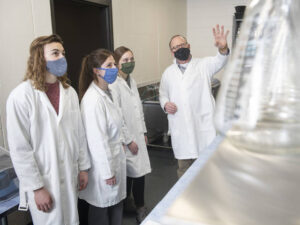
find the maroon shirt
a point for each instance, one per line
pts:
(53, 94)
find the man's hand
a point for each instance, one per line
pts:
(221, 39)
(83, 178)
(43, 200)
(170, 108)
(133, 147)
(111, 181)
(146, 139)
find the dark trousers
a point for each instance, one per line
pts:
(83, 210)
(136, 186)
(111, 215)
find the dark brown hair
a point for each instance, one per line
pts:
(93, 60)
(36, 64)
(119, 52)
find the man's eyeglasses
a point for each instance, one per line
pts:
(175, 48)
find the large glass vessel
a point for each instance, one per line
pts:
(259, 102)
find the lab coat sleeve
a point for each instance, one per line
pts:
(141, 110)
(163, 91)
(84, 158)
(126, 137)
(143, 118)
(95, 121)
(21, 151)
(216, 63)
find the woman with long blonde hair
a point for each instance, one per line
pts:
(46, 137)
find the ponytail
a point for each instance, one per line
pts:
(85, 78)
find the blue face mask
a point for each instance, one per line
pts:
(110, 74)
(57, 67)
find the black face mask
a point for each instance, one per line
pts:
(182, 54)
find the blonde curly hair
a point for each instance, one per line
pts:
(36, 64)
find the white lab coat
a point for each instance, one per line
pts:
(47, 150)
(129, 101)
(191, 127)
(103, 124)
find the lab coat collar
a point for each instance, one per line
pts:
(187, 65)
(100, 91)
(124, 83)
(62, 101)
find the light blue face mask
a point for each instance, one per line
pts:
(57, 67)
(110, 74)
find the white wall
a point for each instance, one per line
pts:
(146, 26)
(202, 16)
(20, 22)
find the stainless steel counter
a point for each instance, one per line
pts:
(235, 187)
(157, 214)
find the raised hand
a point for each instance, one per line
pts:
(220, 37)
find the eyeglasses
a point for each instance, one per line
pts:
(174, 48)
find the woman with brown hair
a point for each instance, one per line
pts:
(46, 136)
(103, 125)
(137, 159)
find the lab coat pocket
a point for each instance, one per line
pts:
(195, 82)
(172, 124)
(42, 157)
(205, 121)
(51, 186)
(175, 128)
(116, 158)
